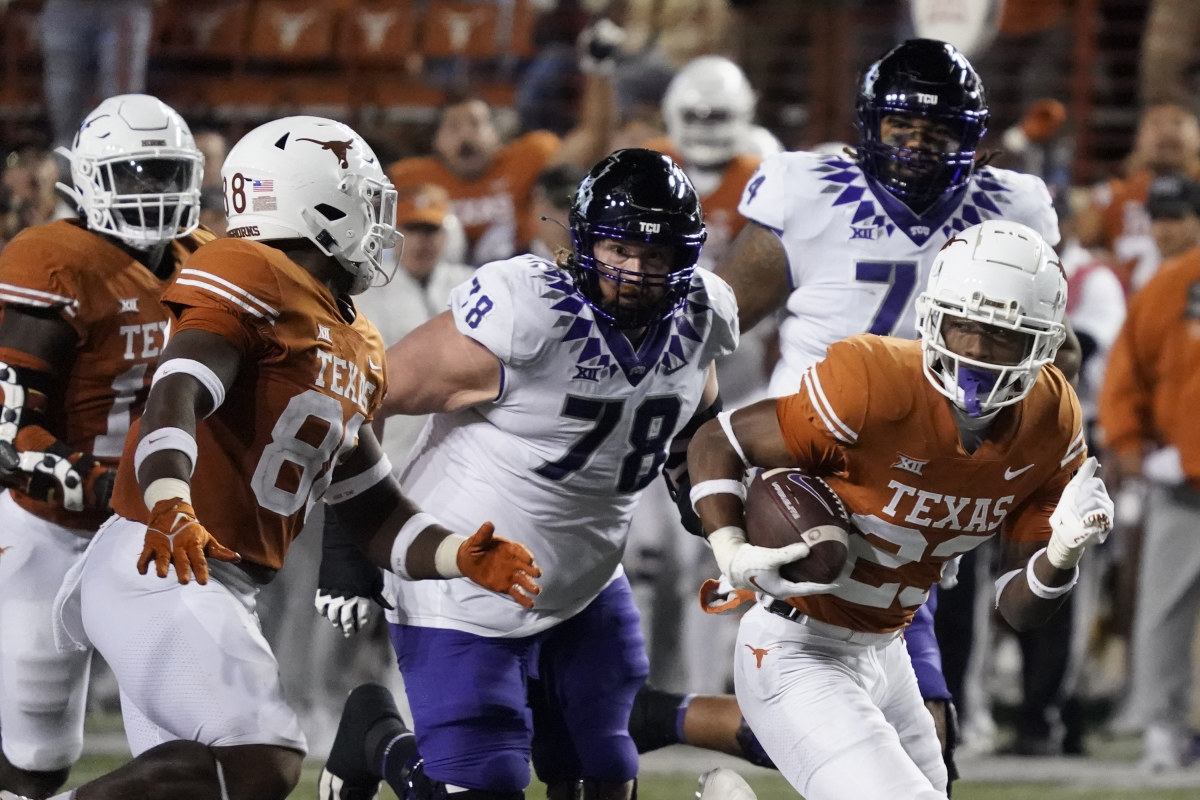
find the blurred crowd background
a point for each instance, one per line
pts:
(1096, 96)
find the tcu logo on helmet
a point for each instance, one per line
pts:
(929, 99)
(650, 227)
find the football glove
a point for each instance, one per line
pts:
(499, 564)
(347, 581)
(1083, 517)
(44, 468)
(173, 536)
(756, 568)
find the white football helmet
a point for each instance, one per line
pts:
(997, 273)
(313, 178)
(136, 171)
(708, 109)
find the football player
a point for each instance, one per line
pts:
(708, 109)
(844, 242)
(987, 443)
(558, 389)
(257, 411)
(80, 333)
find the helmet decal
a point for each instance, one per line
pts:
(636, 196)
(344, 204)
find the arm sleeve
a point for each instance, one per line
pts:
(828, 412)
(923, 649)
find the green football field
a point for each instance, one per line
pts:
(769, 786)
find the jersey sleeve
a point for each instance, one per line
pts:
(36, 274)
(486, 308)
(830, 409)
(227, 282)
(724, 333)
(1031, 204)
(787, 192)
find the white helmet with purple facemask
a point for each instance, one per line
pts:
(996, 273)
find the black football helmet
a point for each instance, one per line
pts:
(929, 79)
(636, 195)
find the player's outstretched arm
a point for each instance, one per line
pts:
(195, 370)
(436, 368)
(398, 536)
(756, 266)
(1039, 578)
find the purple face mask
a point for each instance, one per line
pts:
(975, 383)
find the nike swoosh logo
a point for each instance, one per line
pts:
(1011, 473)
(371, 363)
(755, 584)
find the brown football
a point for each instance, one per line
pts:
(785, 506)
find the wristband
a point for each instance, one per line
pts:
(198, 370)
(1042, 590)
(717, 486)
(404, 538)
(165, 439)
(445, 560)
(725, 543)
(1004, 580)
(166, 489)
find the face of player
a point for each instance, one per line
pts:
(423, 245)
(467, 139)
(652, 262)
(1168, 138)
(979, 341)
(1175, 235)
(911, 132)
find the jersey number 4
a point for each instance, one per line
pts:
(653, 425)
(901, 279)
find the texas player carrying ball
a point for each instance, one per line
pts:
(928, 469)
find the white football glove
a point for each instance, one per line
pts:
(1083, 518)
(351, 614)
(757, 568)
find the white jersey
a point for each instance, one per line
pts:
(557, 461)
(857, 257)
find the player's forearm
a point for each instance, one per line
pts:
(1020, 605)
(711, 457)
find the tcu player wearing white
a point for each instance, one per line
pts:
(928, 469)
(847, 242)
(256, 413)
(560, 387)
(81, 330)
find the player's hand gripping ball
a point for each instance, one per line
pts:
(785, 506)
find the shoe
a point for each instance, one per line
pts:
(346, 774)
(1163, 748)
(723, 783)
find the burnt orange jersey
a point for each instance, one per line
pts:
(887, 441)
(308, 379)
(720, 206)
(112, 302)
(1151, 384)
(1125, 225)
(494, 209)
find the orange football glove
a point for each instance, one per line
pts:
(499, 564)
(173, 536)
